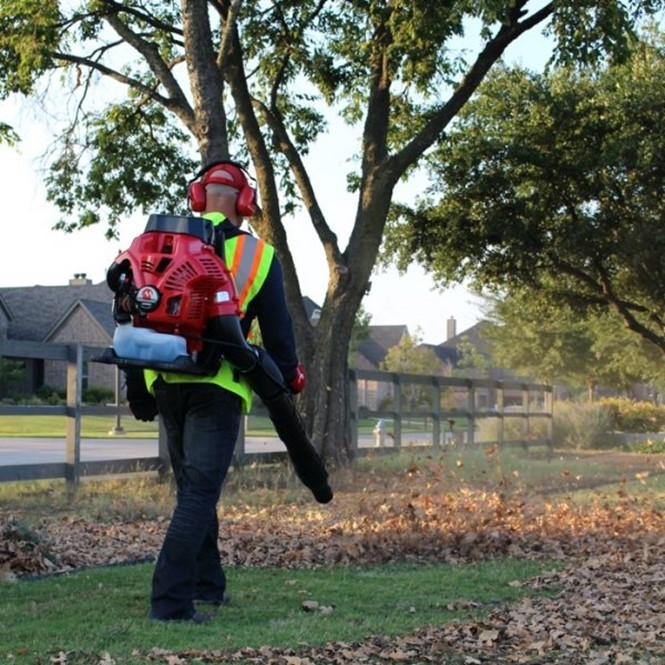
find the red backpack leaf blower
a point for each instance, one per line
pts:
(176, 310)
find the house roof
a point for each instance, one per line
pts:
(373, 349)
(37, 309)
(448, 355)
(310, 307)
(99, 312)
(35, 313)
(5, 308)
(475, 337)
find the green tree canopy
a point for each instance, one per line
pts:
(551, 342)
(554, 183)
(148, 90)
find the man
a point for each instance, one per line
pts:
(201, 414)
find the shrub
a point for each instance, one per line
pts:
(50, 395)
(514, 429)
(649, 446)
(635, 417)
(98, 395)
(579, 426)
(12, 372)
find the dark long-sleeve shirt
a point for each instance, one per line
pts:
(270, 310)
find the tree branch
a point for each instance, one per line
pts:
(129, 81)
(177, 101)
(606, 296)
(285, 146)
(493, 50)
(145, 17)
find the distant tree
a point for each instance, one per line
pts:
(410, 357)
(145, 91)
(553, 183)
(470, 358)
(553, 343)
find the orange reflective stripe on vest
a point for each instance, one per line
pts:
(249, 260)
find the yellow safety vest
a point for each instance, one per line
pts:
(249, 260)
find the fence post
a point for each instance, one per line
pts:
(240, 451)
(162, 451)
(548, 403)
(73, 419)
(471, 411)
(526, 433)
(499, 410)
(354, 415)
(397, 415)
(436, 415)
(117, 429)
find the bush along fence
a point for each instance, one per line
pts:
(388, 411)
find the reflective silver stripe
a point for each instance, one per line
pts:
(243, 273)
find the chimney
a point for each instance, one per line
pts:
(79, 279)
(451, 328)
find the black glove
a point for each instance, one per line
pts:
(141, 403)
(144, 410)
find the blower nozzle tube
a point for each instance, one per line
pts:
(267, 382)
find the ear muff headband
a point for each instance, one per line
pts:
(246, 201)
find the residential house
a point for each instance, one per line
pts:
(371, 353)
(373, 350)
(77, 312)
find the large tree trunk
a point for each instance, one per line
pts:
(328, 406)
(326, 398)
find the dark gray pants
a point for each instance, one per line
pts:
(201, 421)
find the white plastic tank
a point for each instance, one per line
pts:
(145, 344)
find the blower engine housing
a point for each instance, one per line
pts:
(169, 285)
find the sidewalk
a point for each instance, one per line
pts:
(41, 450)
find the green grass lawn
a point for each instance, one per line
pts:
(102, 426)
(56, 426)
(105, 609)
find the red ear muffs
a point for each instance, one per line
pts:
(197, 196)
(246, 201)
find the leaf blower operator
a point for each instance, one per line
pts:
(186, 294)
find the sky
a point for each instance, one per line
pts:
(31, 252)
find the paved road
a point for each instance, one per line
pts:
(41, 450)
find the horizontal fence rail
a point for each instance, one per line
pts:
(447, 410)
(460, 420)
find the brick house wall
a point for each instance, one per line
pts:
(78, 326)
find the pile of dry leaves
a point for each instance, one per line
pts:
(608, 605)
